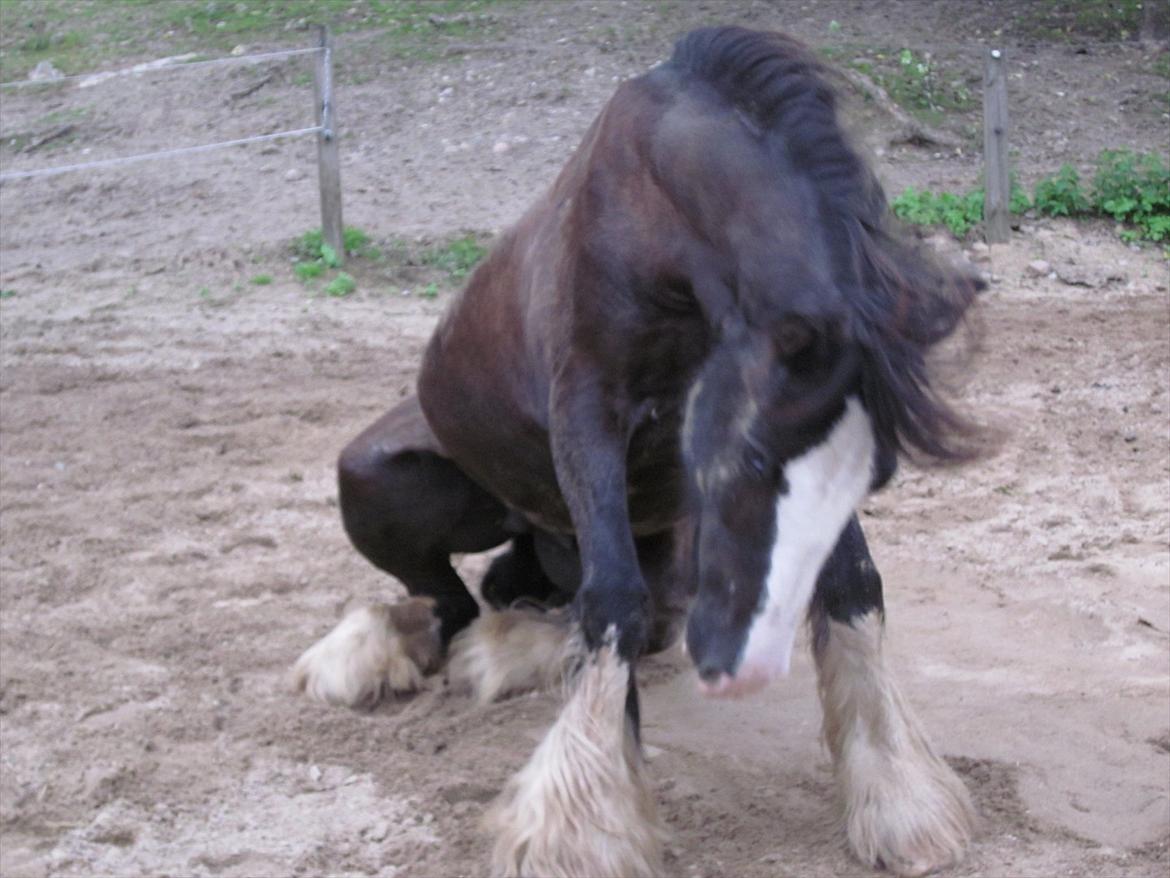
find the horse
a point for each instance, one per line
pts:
(666, 390)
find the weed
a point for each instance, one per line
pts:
(457, 257)
(81, 37)
(1072, 19)
(311, 244)
(1061, 194)
(342, 285)
(959, 213)
(430, 291)
(308, 270)
(1134, 189)
(1130, 188)
(329, 257)
(1161, 65)
(261, 280)
(7, 294)
(914, 81)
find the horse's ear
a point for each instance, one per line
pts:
(792, 336)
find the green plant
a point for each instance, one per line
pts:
(313, 257)
(7, 294)
(457, 257)
(959, 213)
(342, 285)
(262, 280)
(308, 270)
(429, 291)
(1134, 189)
(1061, 194)
(1130, 188)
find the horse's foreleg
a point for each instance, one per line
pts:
(582, 805)
(902, 806)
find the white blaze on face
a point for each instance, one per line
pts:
(825, 484)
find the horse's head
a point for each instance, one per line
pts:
(781, 449)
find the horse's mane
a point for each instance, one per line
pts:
(901, 302)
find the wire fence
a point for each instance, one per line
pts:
(154, 68)
(164, 65)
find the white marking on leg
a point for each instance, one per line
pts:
(902, 805)
(510, 651)
(825, 484)
(582, 805)
(374, 649)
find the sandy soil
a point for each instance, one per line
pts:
(168, 514)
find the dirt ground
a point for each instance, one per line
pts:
(168, 512)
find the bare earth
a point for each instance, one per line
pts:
(170, 539)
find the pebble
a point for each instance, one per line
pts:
(379, 831)
(314, 773)
(237, 51)
(1039, 268)
(45, 70)
(293, 174)
(500, 148)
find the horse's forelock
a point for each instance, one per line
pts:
(899, 302)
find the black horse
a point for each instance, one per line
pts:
(669, 386)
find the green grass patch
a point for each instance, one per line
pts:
(306, 271)
(1133, 189)
(1079, 19)
(314, 259)
(342, 285)
(959, 213)
(456, 257)
(916, 81)
(261, 280)
(82, 36)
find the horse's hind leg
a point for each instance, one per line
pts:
(521, 648)
(406, 508)
(903, 807)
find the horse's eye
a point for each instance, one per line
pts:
(757, 462)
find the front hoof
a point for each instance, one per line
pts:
(374, 650)
(912, 819)
(582, 807)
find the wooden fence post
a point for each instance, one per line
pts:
(328, 162)
(996, 180)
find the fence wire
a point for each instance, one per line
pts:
(153, 67)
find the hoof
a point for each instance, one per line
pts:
(903, 807)
(374, 650)
(510, 651)
(582, 807)
(911, 817)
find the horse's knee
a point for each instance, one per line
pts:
(617, 614)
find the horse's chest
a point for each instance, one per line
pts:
(655, 474)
